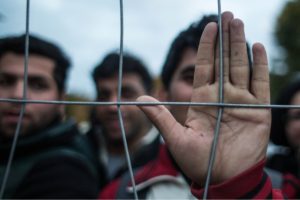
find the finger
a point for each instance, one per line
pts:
(239, 65)
(204, 69)
(226, 18)
(161, 117)
(260, 83)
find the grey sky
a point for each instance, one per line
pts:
(88, 29)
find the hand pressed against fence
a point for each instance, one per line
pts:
(244, 132)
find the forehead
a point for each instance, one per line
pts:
(13, 64)
(128, 80)
(188, 58)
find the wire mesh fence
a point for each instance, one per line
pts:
(221, 105)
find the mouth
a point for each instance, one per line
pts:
(12, 117)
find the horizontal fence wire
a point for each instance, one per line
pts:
(146, 103)
(221, 104)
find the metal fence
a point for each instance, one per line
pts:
(221, 105)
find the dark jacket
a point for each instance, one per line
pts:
(144, 154)
(55, 163)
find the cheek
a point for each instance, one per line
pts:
(180, 92)
(98, 110)
(132, 112)
(5, 93)
(100, 113)
(293, 130)
(49, 95)
(41, 115)
(43, 109)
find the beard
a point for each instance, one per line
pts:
(8, 131)
(118, 141)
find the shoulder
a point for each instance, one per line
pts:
(152, 174)
(58, 177)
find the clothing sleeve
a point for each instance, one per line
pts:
(59, 178)
(291, 186)
(254, 183)
(110, 191)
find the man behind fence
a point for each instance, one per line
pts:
(51, 160)
(244, 132)
(191, 75)
(142, 138)
(162, 178)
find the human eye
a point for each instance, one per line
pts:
(128, 93)
(103, 95)
(37, 83)
(188, 76)
(6, 80)
(294, 116)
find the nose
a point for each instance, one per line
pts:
(18, 90)
(113, 98)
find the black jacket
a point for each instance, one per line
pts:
(144, 154)
(55, 163)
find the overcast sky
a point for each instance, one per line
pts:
(88, 29)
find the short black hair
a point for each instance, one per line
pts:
(39, 46)
(285, 96)
(188, 38)
(131, 64)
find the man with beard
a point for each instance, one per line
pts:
(51, 160)
(142, 138)
(162, 179)
(191, 74)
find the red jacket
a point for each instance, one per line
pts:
(254, 183)
(156, 173)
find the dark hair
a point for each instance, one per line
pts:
(285, 96)
(188, 38)
(38, 46)
(131, 64)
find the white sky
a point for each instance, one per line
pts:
(88, 29)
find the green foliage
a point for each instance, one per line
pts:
(79, 113)
(287, 29)
(287, 34)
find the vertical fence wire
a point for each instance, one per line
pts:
(119, 100)
(220, 109)
(220, 104)
(20, 119)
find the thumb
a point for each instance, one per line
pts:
(162, 119)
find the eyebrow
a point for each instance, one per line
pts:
(7, 75)
(37, 78)
(188, 69)
(22, 75)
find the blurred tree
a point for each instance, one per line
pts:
(79, 113)
(287, 35)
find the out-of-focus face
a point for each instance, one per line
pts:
(135, 122)
(293, 123)
(181, 84)
(41, 86)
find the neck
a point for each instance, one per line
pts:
(134, 143)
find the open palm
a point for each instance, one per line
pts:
(244, 132)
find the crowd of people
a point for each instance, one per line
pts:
(169, 146)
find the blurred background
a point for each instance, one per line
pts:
(88, 29)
